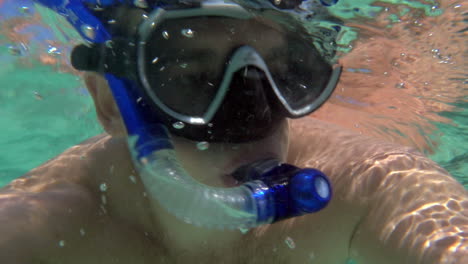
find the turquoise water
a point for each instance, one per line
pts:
(45, 109)
(453, 154)
(42, 114)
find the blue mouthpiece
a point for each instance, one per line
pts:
(310, 190)
(285, 191)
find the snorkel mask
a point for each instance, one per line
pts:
(165, 76)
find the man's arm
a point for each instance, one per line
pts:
(411, 210)
(418, 214)
(33, 222)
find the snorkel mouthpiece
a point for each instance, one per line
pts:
(280, 192)
(291, 191)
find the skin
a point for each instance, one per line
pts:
(391, 204)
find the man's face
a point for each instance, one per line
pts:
(208, 163)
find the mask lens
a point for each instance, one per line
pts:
(186, 58)
(182, 69)
(300, 73)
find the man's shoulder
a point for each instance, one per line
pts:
(313, 138)
(33, 212)
(70, 168)
(59, 181)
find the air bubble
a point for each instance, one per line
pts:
(178, 125)
(243, 230)
(103, 187)
(25, 10)
(103, 209)
(203, 145)
(82, 232)
(165, 34)
(53, 51)
(88, 31)
(140, 3)
(103, 199)
(132, 178)
(97, 7)
(290, 242)
(14, 50)
(109, 43)
(187, 32)
(61, 243)
(400, 85)
(38, 96)
(417, 23)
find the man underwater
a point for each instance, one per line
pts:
(221, 79)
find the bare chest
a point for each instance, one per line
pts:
(127, 246)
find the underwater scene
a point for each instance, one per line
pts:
(404, 80)
(156, 131)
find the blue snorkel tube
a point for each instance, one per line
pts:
(271, 191)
